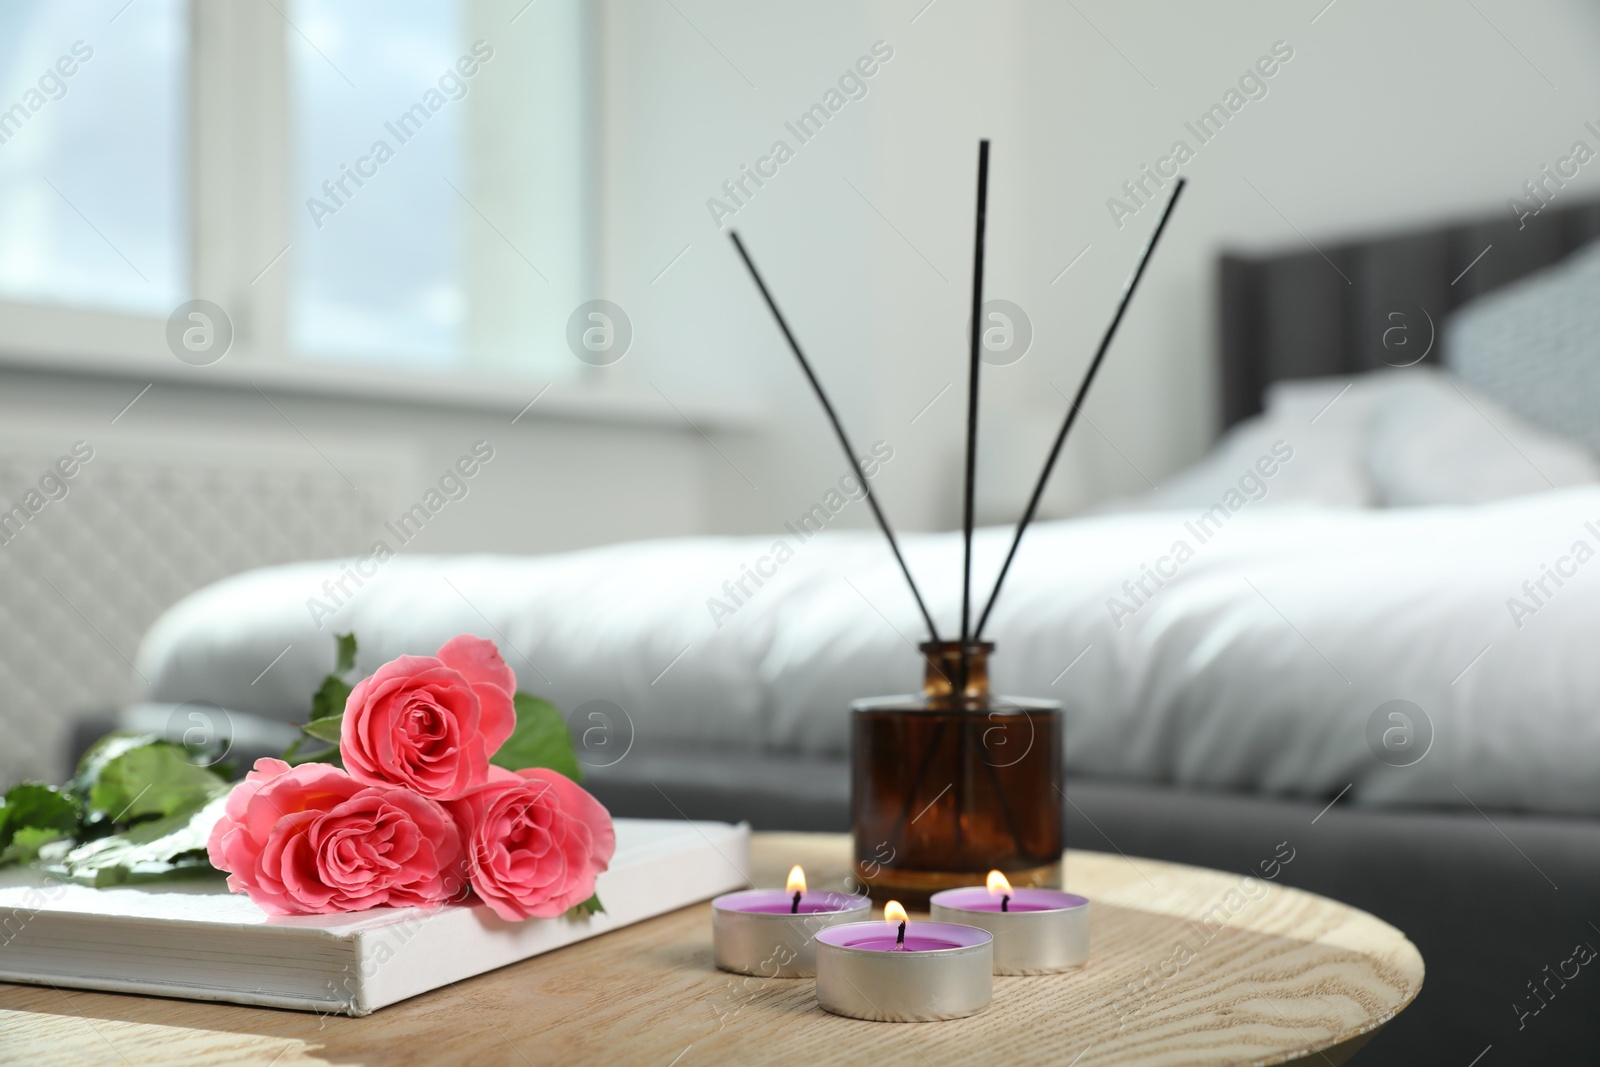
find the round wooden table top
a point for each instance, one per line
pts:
(1188, 966)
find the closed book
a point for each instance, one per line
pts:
(194, 939)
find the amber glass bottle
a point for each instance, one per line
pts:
(955, 784)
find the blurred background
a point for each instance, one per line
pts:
(371, 312)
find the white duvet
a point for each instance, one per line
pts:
(1248, 629)
(1256, 665)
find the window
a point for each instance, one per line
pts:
(93, 155)
(358, 184)
(378, 152)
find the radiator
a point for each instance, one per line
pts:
(89, 559)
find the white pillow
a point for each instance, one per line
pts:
(1433, 440)
(1319, 421)
(1389, 438)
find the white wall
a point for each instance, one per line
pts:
(1388, 115)
(554, 483)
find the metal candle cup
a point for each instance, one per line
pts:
(942, 971)
(755, 932)
(1043, 930)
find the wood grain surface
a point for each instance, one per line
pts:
(1188, 966)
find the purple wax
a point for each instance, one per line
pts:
(913, 944)
(781, 902)
(922, 935)
(807, 907)
(1023, 899)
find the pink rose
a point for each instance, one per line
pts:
(311, 839)
(430, 723)
(535, 841)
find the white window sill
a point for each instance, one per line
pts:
(134, 350)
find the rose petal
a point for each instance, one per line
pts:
(481, 664)
(312, 839)
(535, 840)
(418, 723)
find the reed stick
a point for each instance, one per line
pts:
(838, 429)
(974, 362)
(1077, 403)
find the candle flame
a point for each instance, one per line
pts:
(893, 912)
(998, 885)
(797, 880)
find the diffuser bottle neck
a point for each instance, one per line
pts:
(942, 682)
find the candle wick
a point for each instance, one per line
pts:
(794, 908)
(1005, 902)
(901, 940)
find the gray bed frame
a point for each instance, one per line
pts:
(1328, 310)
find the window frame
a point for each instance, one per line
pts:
(240, 249)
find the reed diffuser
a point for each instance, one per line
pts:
(956, 782)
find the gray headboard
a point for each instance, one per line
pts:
(1306, 314)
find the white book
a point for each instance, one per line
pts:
(196, 940)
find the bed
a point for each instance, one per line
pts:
(1358, 651)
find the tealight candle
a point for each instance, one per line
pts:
(1036, 931)
(772, 932)
(904, 972)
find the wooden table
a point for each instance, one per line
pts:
(1189, 966)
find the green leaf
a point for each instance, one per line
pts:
(173, 846)
(588, 907)
(25, 846)
(329, 700)
(103, 752)
(187, 865)
(347, 653)
(325, 729)
(154, 779)
(32, 815)
(541, 739)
